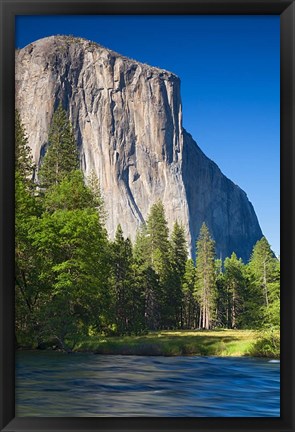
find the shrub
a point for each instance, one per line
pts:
(267, 345)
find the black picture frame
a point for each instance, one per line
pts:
(12, 8)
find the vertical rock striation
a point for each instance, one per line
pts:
(127, 119)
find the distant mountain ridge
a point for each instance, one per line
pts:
(127, 119)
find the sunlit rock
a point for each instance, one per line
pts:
(127, 118)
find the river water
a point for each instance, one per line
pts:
(88, 385)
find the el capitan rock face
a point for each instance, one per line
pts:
(127, 118)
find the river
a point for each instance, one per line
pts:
(88, 385)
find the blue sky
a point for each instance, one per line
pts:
(229, 68)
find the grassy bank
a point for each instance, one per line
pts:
(172, 343)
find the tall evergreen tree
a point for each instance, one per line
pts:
(235, 288)
(264, 274)
(262, 264)
(189, 305)
(178, 249)
(98, 201)
(122, 281)
(157, 233)
(62, 155)
(178, 260)
(205, 290)
(222, 300)
(272, 313)
(147, 280)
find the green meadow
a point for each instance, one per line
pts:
(235, 343)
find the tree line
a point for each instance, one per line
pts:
(72, 281)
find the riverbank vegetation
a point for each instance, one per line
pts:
(171, 343)
(74, 283)
(218, 342)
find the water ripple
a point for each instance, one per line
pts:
(54, 384)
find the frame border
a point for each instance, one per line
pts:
(8, 10)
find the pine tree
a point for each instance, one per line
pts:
(262, 265)
(61, 156)
(98, 201)
(253, 301)
(189, 305)
(222, 307)
(272, 313)
(235, 288)
(157, 233)
(265, 278)
(178, 250)
(178, 247)
(205, 291)
(147, 280)
(122, 281)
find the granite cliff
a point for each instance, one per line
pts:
(127, 118)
